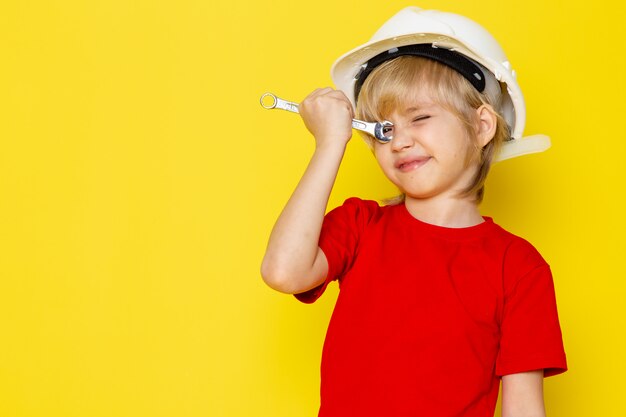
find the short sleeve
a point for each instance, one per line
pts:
(339, 240)
(530, 332)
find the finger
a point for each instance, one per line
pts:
(343, 99)
(340, 96)
(321, 92)
(337, 94)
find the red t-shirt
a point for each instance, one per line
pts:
(429, 318)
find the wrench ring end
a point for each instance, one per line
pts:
(272, 104)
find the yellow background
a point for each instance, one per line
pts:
(139, 180)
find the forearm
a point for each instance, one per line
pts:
(292, 261)
(522, 395)
(538, 413)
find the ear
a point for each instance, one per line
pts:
(487, 124)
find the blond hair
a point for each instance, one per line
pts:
(392, 85)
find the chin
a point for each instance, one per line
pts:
(419, 194)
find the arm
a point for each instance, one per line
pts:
(293, 261)
(522, 394)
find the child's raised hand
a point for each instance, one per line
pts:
(328, 113)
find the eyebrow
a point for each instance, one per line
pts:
(418, 106)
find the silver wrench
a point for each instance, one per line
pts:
(380, 130)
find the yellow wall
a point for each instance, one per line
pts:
(139, 179)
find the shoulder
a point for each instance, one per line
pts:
(357, 210)
(521, 259)
(520, 251)
(511, 247)
(356, 203)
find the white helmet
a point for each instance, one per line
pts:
(447, 31)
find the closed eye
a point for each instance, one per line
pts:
(420, 118)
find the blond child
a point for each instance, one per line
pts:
(437, 303)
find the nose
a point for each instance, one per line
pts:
(401, 139)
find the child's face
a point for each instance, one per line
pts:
(429, 153)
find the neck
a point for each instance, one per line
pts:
(445, 211)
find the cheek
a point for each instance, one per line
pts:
(381, 154)
(385, 163)
(461, 147)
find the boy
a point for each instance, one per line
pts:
(437, 303)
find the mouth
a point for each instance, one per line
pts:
(411, 164)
